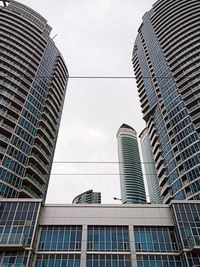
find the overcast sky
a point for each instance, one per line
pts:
(96, 38)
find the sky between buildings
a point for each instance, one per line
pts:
(96, 38)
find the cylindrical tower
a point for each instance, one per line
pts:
(33, 80)
(131, 178)
(166, 61)
(150, 169)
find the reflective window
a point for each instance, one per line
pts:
(158, 261)
(60, 238)
(161, 239)
(17, 222)
(101, 260)
(16, 259)
(193, 259)
(188, 220)
(108, 238)
(63, 260)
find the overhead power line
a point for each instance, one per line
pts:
(119, 77)
(101, 162)
(94, 174)
(93, 77)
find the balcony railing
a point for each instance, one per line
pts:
(5, 114)
(42, 151)
(2, 150)
(37, 171)
(167, 198)
(44, 166)
(30, 178)
(9, 128)
(30, 192)
(4, 138)
(165, 188)
(41, 138)
(194, 243)
(17, 241)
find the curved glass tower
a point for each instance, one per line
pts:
(131, 178)
(166, 61)
(88, 197)
(33, 80)
(150, 169)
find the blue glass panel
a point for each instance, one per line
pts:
(51, 263)
(128, 264)
(77, 263)
(38, 263)
(70, 263)
(57, 263)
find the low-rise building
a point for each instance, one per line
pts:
(99, 235)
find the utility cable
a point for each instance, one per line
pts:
(101, 162)
(92, 77)
(94, 174)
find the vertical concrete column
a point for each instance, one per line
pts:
(84, 246)
(132, 247)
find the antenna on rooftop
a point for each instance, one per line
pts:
(54, 37)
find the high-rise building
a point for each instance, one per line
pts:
(88, 197)
(131, 178)
(33, 80)
(149, 167)
(166, 61)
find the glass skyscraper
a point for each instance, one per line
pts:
(131, 178)
(33, 80)
(150, 169)
(166, 61)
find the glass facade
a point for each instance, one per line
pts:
(18, 222)
(33, 80)
(131, 178)
(60, 238)
(159, 261)
(29, 237)
(166, 53)
(187, 222)
(155, 239)
(108, 260)
(193, 259)
(187, 218)
(51, 260)
(150, 169)
(16, 259)
(108, 238)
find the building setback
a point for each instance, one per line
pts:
(88, 197)
(33, 80)
(166, 62)
(150, 169)
(131, 178)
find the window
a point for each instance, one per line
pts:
(108, 260)
(60, 238)
(108, 238)
(160, 239)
